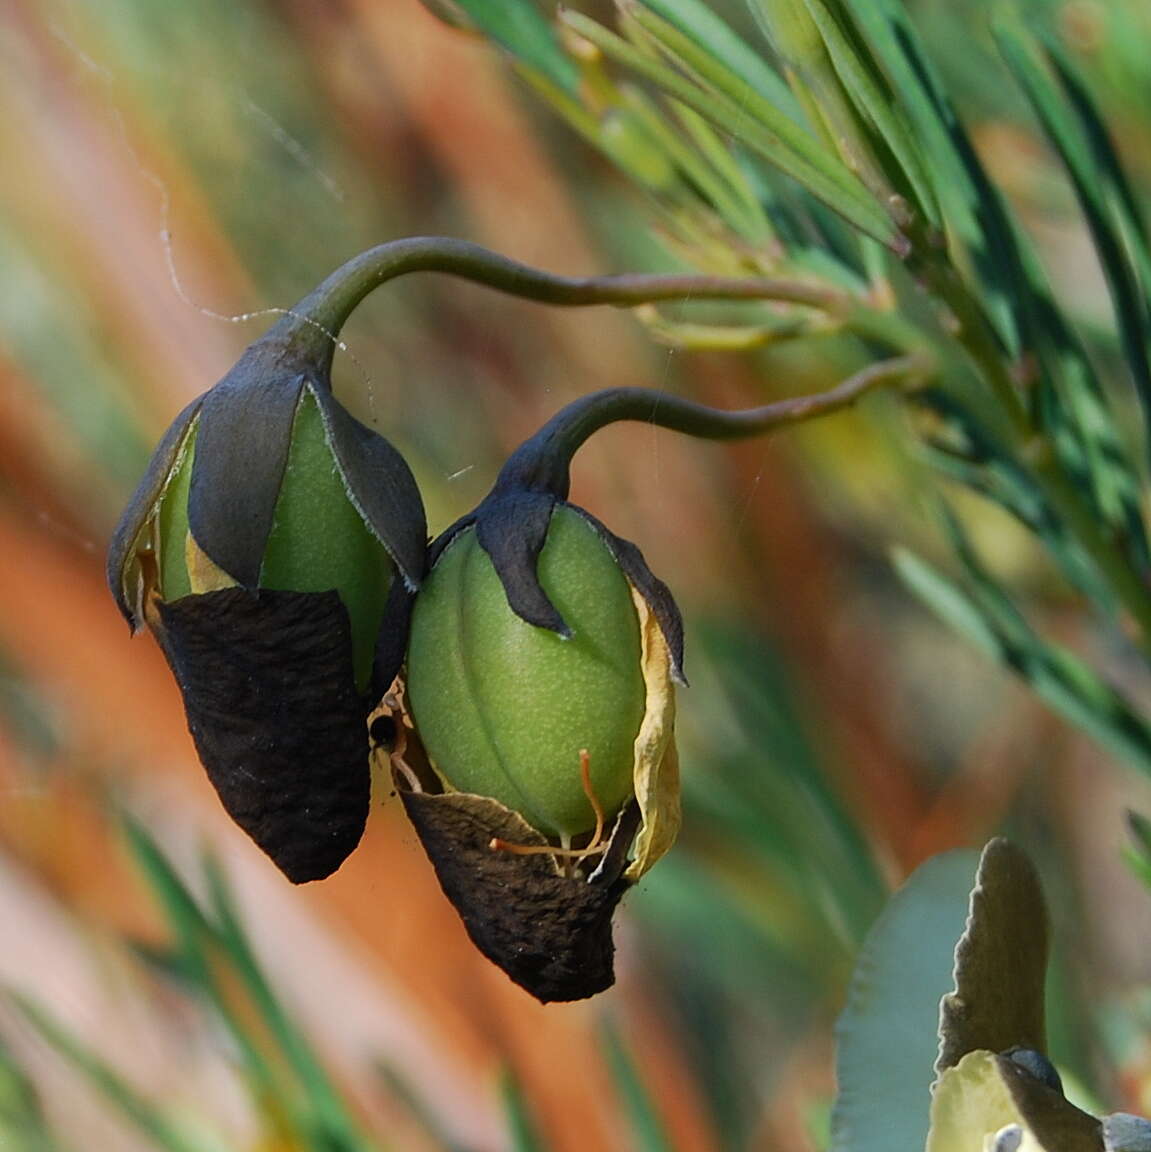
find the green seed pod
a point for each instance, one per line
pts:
(542, 648)
(502, 706)
(552, 746)
(539, 680)
(273, 547)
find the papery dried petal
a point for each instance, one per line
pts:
(656, 770)
(550, 933)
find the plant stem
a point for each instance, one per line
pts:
(542, 463)
(975, 334)
(978, 338)
(312, 326)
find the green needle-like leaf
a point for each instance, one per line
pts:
(873, 99)
(1104, 152)
(328, 1124)
(151, 1119)
(197, 949)
(735, 107)
(525, 1135)
(287, 1078)
(520, 28)
(1068, 685)
(1020, 52)
(23, 1127)
(700, 23)
(648, 1132)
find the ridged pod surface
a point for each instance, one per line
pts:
(503, 707)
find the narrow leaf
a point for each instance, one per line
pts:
(648, 1132)
(23, 1127)
(750, 118)
(699, 22)
(1061, 679)
(325, 1115)
(866, 85)
(1100, 142)
(149, 1118)
(520, 28)
(398, 1086)
(522, 1126)
(197, 950)
(1122, 281)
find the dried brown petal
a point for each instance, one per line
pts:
(271, 703)
(656, 767)
(550, 933)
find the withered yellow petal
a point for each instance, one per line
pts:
(656, 764)
(204, 574)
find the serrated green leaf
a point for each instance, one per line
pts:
(887, 1036)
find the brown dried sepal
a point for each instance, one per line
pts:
(549, 932)
(270, 696)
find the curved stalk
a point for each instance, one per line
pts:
(512, 522)
(542, 463)
(312, 326)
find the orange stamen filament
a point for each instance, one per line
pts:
(401, 767)
(399, 764)
(597, 844)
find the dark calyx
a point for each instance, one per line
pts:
(269, 693)
(551, 934)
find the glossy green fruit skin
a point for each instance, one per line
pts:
(503, 707)
(318, 539)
